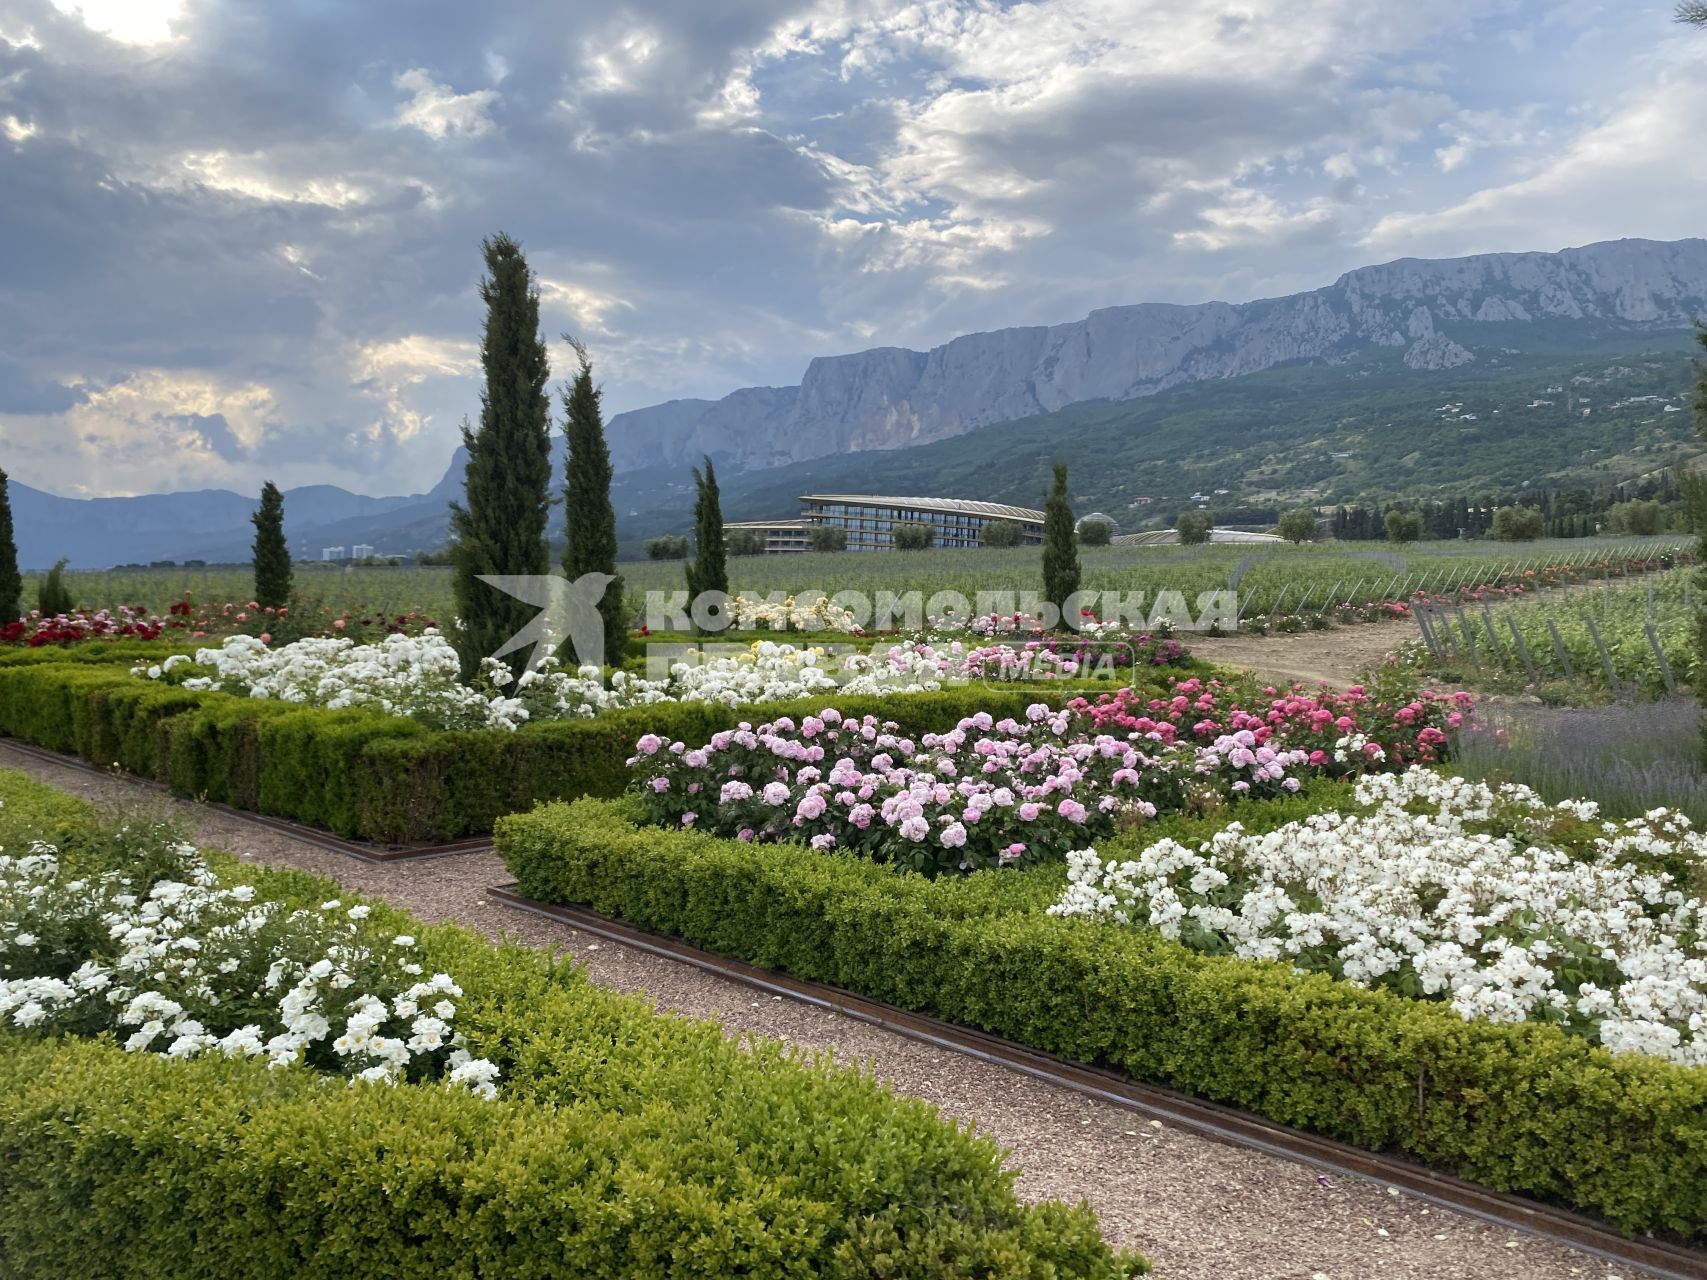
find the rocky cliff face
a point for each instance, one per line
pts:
(890, 397)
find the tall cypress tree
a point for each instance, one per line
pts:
(1060, 548)
(709, 570)
(590, 519)
(499, 527)
(272, 553)
(11, 582)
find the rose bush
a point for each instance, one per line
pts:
(417, 676)
(1397, 725)
(1484, 897)
(989, 793)
(168, 961)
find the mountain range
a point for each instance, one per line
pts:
(1132, 376)
(1428, 312)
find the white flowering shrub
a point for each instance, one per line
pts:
(414, 676)
(1485, 897)
(171, 962)
(792, 613)
(417, 676)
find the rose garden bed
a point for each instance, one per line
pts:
(364, 773)
(598, 1138)
(1227, 961)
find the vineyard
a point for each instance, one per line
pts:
(1623, 638)
(1276, 585)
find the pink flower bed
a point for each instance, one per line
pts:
(1397, 728)
(989, 793)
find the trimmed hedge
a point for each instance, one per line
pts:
(1522, 1108)
(378, 777)
(623, 1143)
(129, 652)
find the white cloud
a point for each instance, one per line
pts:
(157, 429)
(588, 309)
(1622, 176)
(440, 112)
(389, 371)
(140, 22)
(252, 177)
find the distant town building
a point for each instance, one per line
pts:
(361, 551)
(331, 553)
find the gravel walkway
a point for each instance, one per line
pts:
(1199, 1210)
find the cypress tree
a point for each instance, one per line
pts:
(709, 569)
(272, 553)
(499, 527)
(1060, 548)
(590, 519)
(11, 581)
(1700, 402)
(53, 597)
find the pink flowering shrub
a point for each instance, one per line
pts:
(1340, 732)
(986, 794)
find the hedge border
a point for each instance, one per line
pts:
(1525, 1108)
(625, 1142)
(381, 778)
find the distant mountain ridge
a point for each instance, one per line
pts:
(890, 397)
(1426, 315)
(210, 524)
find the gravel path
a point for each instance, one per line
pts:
(1199, 1210)
(1341, 656)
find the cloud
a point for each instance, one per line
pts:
(140, 22)
(439, 112)
(212, 432)
(270, 215)
(22, 392)
(1620, 173)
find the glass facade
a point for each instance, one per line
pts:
(870, 525)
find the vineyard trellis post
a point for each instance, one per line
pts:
(1523, 652)
(1493, 636)
(1605, 657)
(1560, 652)
(1428, 633)
(1660, 656)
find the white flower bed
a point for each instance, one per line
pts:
(181, 967)
(416, 676)
(817, 613)
(1508, 908)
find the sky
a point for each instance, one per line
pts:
(240, 239)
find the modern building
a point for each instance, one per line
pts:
(781, 536)
(331, 553)
(870, 521)
(361, 551)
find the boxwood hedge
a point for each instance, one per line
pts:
(378, 777)
(1523, 1108)
(624, 1143)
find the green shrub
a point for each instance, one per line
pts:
(373, 776)
(624, 1143)
(1520, 1108)
(129, 653)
